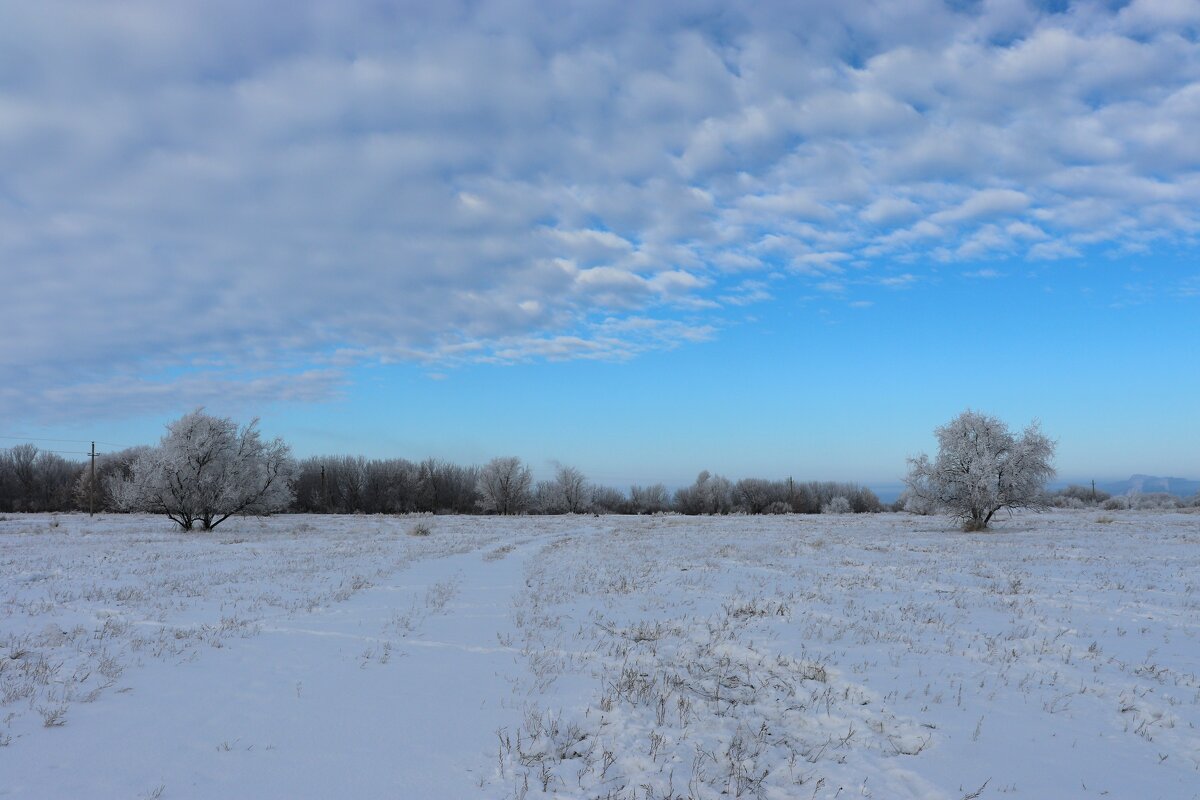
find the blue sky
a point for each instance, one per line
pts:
(747, 237)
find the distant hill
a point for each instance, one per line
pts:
(1145, 484)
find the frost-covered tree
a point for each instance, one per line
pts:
(547, 499)
(505, 486)
(649, 499)
(205, 470)
(710, 494)
(607, 500)
(109, 467)
(753, 495)
(568, 493)
(981, 468)
(572, 487)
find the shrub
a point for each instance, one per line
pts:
(1086, 495)
(838, 505)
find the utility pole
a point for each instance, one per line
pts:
(92, 484)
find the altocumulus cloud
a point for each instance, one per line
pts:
(253, 197)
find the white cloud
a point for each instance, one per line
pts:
(898, 281)
(1053, 251)
(747, 293)
(591, 246)
(483, 181)
(984, 204)
(890, 210)
(1146, 16)
(1024, 230)
(988, 240)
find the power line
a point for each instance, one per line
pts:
(61, 441)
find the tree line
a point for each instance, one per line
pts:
(353, 484)
(37, 480)
(207, 467)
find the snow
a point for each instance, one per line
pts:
(885, 656)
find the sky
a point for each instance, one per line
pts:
(763, 238)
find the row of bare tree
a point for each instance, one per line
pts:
(33, 480)
(353, 484)
(38, 480)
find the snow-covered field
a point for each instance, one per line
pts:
(883, 656)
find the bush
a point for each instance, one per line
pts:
(1086, 495)
(1154, 501)
(1063, 501)
(838, 505)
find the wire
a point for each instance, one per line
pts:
(62, 441)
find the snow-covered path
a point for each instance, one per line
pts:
(396, 691)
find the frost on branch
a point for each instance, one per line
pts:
(981, 468)
(205, 470)
(505, 486)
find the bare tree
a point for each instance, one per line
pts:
(568, 493)
(350, 483)
(649, 499)
(547, 499)
(206, 470)
(504, 486)
(981, 468)
(572, 487)
(607, 500)
(443, 486)
(462, 488)
(23, 467)
(431, 490)
(36, 480)
(753, 495)
(8, 483)
(710, 494)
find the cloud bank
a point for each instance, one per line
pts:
(255, 197)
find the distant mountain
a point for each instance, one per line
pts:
(1145, 484)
